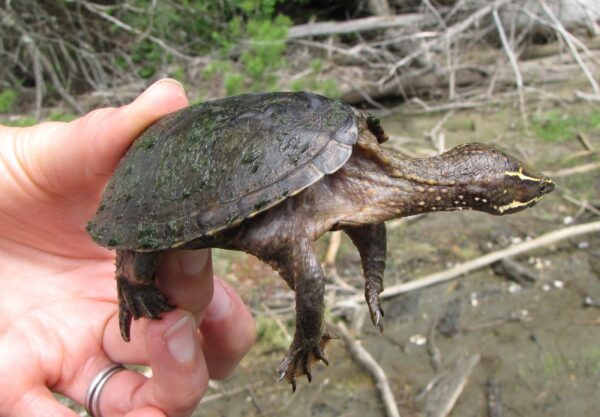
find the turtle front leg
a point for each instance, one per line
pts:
(371, 242)
(136, 287)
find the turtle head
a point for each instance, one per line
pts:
(500, 183)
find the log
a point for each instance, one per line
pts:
(543, 71)
(357, 25)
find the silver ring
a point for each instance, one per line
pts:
(92, 396)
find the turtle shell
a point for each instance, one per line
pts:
(208, 167)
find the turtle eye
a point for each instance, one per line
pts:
(546, 187)
(542, 187)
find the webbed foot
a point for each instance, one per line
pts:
(139, 300)
(375, 309)
(300, 358)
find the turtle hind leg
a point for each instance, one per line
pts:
(137, 291)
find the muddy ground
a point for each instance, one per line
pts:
(536, 340)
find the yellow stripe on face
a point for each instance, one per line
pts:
(521, 175)
(516, 204)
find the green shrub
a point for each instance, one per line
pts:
(7, 100)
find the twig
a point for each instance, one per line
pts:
(434, 133)
(583, 204)
(256, 402)
(444, 395)
(335, 240)
(435, 354)
(485, 260)
(98, 11)
(277, 320)
(452, 31)
(521, 316)
(494, 398)
(513, 62)
(232, 392)
(585, 141)
(569, 41)
(360, 354)
(587, 96)
(356, 25)
(575, 170)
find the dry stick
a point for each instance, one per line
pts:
(583, 204)
(585, 141)
(477, 263)
(34, 53)
(356, 25)
(335, 240)
(513, 63)
(567, 38)
(434, 133)
(444, 395)
(96, 10)
(57, 84)
(382, 384)
(588, 97)
(448, 34)
(490, 258)
(575, 170)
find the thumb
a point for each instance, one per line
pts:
(76, 155)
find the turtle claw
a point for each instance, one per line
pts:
(375, 310)
(139, 300)
(299, 360)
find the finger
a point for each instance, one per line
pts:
(180, 376)
(228, 331)
(186, 278)
(95, 143)
(39, 402)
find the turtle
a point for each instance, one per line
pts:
(268, 174)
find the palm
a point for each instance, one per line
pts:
(58, 325)
(43, 239)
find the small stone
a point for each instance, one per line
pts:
(418, 339)
(514, 288)
(474, 299)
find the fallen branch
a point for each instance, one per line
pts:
(485, 260)
(575, 170)
(587, 97)
(443, 396)
(357, 25)
(361, 355)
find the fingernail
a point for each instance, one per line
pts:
(168, 81)
(220, 303)
(192, 262)
(181, 339)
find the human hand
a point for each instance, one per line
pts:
(58, 306)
